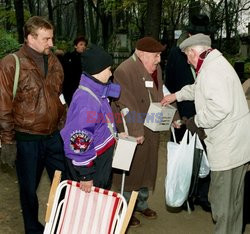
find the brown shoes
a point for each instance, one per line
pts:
(134, 222)
(148, 213)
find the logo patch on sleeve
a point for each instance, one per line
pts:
(79, 141)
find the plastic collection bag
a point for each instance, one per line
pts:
(179, 170)
(204, 167)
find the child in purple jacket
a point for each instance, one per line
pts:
(89, 132)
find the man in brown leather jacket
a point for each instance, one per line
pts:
(29, 120)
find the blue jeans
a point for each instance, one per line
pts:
(32, 157)
(141, 202)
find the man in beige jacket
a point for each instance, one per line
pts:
(223, 118)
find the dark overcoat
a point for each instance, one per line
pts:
(72, 73)
(132, 76)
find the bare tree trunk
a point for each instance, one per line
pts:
(19, 19)
(227, 21)
(31, 7)
(153, 20)
(38, 10)
(50, 10)
(80, 20)
(106, 29)
(7, 8)
(59, 19)
(92, 27)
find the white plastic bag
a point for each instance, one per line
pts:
(204, 167)
(179, 170)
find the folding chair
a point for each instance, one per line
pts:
(98, 212)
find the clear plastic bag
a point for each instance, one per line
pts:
(204, 168)
(179, 170)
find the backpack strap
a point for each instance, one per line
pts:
(17, 71)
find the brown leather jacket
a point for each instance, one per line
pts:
(36, 108)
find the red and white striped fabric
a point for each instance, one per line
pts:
(97, 212)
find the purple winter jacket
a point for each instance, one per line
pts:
(86, 134)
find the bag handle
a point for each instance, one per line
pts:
(173, 133)
(150, 97)
(17, 71)
(124, 112)
(187, 135)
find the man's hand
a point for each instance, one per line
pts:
(168, 99)
(8, 154)
(177, 123)
(191, 126)
(123, 135)
(86, 186)
(140, 140)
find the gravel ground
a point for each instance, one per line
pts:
(198, 222)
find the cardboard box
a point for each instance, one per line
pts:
(159, 118)
(124, 153)
(246, 88)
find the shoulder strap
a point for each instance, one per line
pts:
(17, 71)
(90, 92)
(97, 99)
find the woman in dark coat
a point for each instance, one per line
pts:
(72, 68)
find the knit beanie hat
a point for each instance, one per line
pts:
(149, 44)
(95, 59)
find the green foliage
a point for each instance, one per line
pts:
(247, 67)
(231, 46)
(8, 43)
(64, 45)
(9, 16)
(110, 5)
(237, 58)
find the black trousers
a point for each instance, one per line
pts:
(101, 171)
(32, 158)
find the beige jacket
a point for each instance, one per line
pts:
(222, 111)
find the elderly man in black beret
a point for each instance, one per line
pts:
(223, 120)
(140, 77)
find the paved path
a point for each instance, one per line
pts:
(198, 222)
